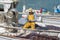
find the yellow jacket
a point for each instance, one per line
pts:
(30, 17)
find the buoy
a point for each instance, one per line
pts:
(59, 35)
(2, 30)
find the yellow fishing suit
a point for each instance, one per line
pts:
(30, 24)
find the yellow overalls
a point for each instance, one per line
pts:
(32, 24)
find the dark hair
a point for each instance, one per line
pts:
(31, 12)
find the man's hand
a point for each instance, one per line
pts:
(31, 20)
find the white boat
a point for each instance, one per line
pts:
(23, 33)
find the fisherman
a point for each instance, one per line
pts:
(30, 22)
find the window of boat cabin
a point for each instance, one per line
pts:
(1, 7)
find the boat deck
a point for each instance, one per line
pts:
(50, 33)
(9, 38)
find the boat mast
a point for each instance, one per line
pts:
(24, 6)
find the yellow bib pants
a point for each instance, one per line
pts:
(32, 24)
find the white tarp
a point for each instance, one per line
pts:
(23, 20)
(6, 4)
(6, 7)
(6, 1)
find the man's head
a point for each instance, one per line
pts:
(30, 11)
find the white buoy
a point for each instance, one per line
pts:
(2, 30)
(21, 31)
(41, 24)
(59, 35)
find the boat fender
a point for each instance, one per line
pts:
(2, 30)
(41, 24)
(59, 35)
